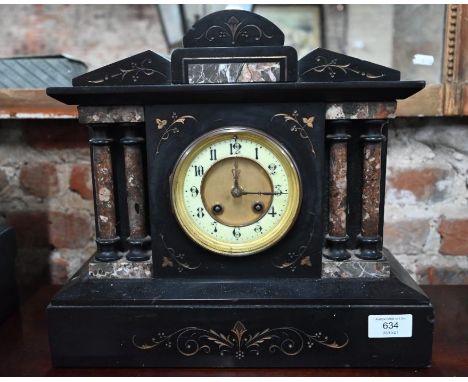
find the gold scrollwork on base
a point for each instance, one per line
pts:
(238, 342)
(171, 129)
(295, 126)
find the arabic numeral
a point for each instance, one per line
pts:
(272, 167)
(213, 154)
(194, 191)
(256, 153)
(390, 325)
(236, 233)
(215, 229)
(279, 190)
(272, 212)
(199, 170)
(258, 229)
(200, 212)
(235, 148)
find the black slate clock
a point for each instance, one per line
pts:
(239, 198)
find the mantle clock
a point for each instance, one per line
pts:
(239, 197)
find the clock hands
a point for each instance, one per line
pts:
(262, 193)
(236, 189)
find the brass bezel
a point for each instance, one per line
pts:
(208, 242)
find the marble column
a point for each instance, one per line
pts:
(370, 239)
(338, 170)
(138, 238)
(104, 201)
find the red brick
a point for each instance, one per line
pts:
(421, 182)
(39, 179)
(69, 230)
(406, 236)
(31, 227)
(81, 182)
(3, 180)
(56, 135)
(449, 275)
(454, 237)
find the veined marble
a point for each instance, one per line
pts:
(120, 269)
(356, 268)
(219, 73)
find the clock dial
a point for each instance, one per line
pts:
(236, 191)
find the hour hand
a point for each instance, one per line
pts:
(236, 189)
(235, 173)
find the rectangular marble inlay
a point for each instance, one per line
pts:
(355, 268)
(120, 269)
(219, 73)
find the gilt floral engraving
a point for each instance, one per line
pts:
(234, 30)
(176, 259)
(299, 127)
(239, 342)
(135, 71)
(332, 67)
(295, 258)
(171, 128)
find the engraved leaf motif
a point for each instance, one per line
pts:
(308, 121)
(259, 338)
(286, 117)
(239, 329)
(161, 123)
(306, 261)
(219, 338)
(167, 262)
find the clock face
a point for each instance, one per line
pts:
(236, 191)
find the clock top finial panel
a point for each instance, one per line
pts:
(242, 48)
(233, 28)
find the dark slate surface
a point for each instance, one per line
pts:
(39, 72)
(231, 28)
(322, 65)
(146, 68)
(358, 91)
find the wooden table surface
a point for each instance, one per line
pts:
(24, 347)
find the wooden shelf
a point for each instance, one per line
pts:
(33, 104)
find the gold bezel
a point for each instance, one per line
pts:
(208, 242)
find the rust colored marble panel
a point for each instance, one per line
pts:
(135, 191)
(104, 192)
(338, 189)
(371, 189)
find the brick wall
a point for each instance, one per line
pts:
(426, 212)
(97, 34)
(46, 194)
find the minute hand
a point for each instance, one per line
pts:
(262, 193)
